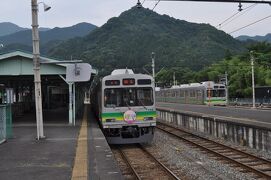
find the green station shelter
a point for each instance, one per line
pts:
(16, 75)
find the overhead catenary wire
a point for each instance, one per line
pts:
(232, 17)
(219, 25)
(156, 4)
(250, 24)
(227, 1)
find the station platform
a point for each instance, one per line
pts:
(24, 157)
(102, 164)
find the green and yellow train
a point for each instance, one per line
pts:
(195, 93)
(125, 105)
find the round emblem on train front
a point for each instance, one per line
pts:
(129, 116)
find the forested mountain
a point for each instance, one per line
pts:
(128, 40)
(25, 37)
(9, 28)
(267, 38)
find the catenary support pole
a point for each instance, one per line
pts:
(252, 78)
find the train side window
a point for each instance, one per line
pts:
(192, 93)
(177, 93)
(173, 94)
(181, 93)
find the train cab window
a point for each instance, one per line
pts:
(125, 97)
(221, 93)
(129, 96)
(145, 96)
(112, 98)
(214, 93)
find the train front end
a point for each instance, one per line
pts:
(128, 112)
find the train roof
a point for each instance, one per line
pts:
(205, 84)
(126, 73)
(122, 71)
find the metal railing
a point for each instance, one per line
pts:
(248, 102)
(2, 123)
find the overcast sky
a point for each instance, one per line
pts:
(69, 12)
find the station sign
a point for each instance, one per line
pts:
(78, 72)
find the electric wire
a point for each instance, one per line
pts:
(249, 24)
(231, 18)
(156, 4)
(219, 25)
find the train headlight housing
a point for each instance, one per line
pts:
(148, 118)
(111, 120)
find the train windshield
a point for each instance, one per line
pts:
(125, 97)
(218, 93)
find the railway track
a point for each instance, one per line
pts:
(138, 163)
(242, 161)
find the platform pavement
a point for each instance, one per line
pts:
(23, 157)
(104, 166)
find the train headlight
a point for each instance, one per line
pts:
(153, 124)
(111, 120)
(148, 118)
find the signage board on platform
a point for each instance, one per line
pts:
(78, 72)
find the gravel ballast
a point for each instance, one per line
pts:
(190, 161)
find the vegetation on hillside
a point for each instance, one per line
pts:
(237, 67)
(129, 40)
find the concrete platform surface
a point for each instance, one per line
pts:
(23, 157)
(102, 165)
(26, 158)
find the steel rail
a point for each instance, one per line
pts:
(160, 163)
(258, 172)
(223, 145)
(125, 158)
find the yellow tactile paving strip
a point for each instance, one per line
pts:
(80, 167)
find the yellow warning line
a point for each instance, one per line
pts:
(80, 167)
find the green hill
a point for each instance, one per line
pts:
(128, 40)
(7, 28)
(25, 37)
(266, 38)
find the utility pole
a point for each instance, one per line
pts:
(209, 93)
(174, 79)
(252, 77)
(153, 65)
(36, 69)
(226, 84)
